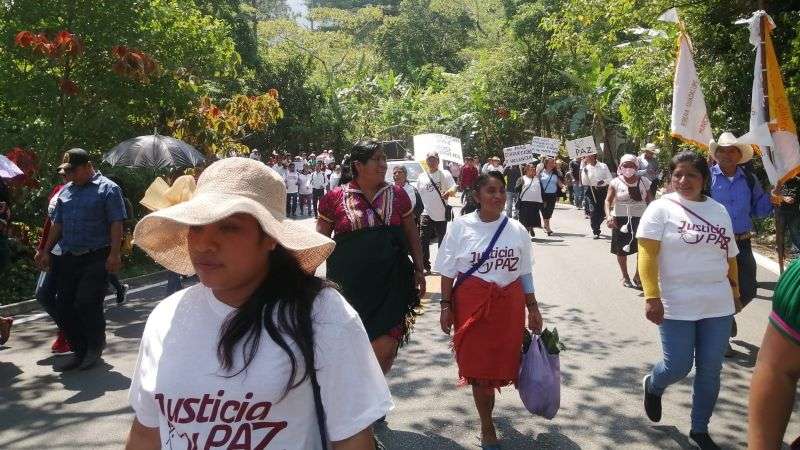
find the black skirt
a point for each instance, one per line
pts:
(549, 204)
(619, 239)
(529, 214)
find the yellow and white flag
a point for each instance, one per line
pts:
(782, 161)
(689, 115)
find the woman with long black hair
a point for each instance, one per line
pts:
(486, 264)
(378, 256)
(261, 353)
(551, 186)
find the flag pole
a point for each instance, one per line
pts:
(779, 237)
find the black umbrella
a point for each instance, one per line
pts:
(154, 151)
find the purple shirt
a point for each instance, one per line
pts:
(741, 204)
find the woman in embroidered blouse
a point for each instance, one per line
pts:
(373, 225)
(774, 382)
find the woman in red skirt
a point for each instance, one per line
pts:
(486, 267)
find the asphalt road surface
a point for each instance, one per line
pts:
(610, 346)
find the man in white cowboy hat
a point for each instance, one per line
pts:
(648, 166)
(740, 192)
(493, 165)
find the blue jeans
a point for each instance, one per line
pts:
(703, 342)
(577, 195)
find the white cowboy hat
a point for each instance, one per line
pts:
(227, 187)
(728, 139)
(650, 147)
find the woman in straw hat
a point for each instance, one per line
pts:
(373, 225)
(627, 198)
(261, 352)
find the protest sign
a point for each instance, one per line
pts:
(581, 147)
(545, 146)
(448, 147)
(518, 154)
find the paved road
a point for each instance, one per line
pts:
(610, 347)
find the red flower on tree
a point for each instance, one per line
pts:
(28, 162)
(133, 63)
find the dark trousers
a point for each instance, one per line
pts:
(317, 194)
(291, 204)
(747, 271)
(597, 198)
(430, 229)
(81, 289)
(46, 293)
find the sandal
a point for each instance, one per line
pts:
(628, 284)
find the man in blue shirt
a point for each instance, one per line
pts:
(87, 225)
(741, 194)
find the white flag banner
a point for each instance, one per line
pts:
(581, 147)
(448, 147)
(671, 16)
(545, 146)
(781, 153)
(689, 115)
(518, 154)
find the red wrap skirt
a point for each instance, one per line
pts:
(489, 322)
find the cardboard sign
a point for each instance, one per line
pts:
(448, 147)
(518, 154)
(545, 146)
(581, 147)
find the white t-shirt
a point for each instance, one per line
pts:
(318, 180)
(492, 168)
(291, 179)
(411, 193)
(304, 179)
(595, 175)
(333, 180)
(624, 205)
(467, 239)
(531, 189)
(693, 260)
(434, 208)
(179, 387)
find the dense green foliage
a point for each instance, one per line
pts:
(494, 73)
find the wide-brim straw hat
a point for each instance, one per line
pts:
(728, 139)
(650, 147)
(227, 187)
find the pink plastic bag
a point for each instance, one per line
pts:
(539, 382)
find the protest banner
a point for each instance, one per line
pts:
(448, 147)
(581, 147)
(518, 154)
(545, 146)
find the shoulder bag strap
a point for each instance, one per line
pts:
(318, 408)
(713, 227)
(526, 189)
(437, 190)
(484, 256)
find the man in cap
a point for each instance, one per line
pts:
(741, 194)
(87, 226)
(648, 167)
(493, 165)
(595, 176)
(434, 188)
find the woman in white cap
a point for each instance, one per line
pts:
(627, 198)
(261, 353)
